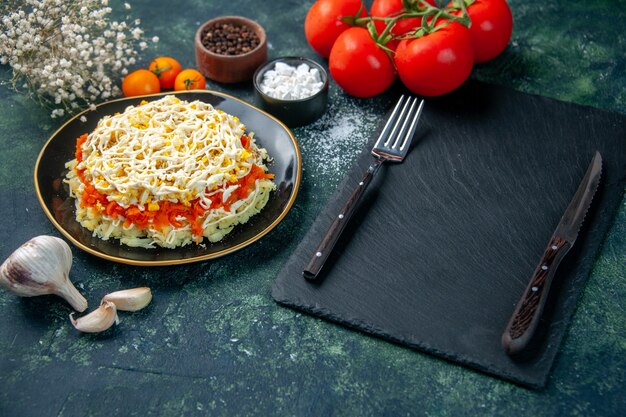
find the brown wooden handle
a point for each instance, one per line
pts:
(325, 247)
(525, 319)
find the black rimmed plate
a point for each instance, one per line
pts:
(281, 145)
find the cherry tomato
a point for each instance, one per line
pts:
(323, 23)
(438, 62)
(189, 79)
(492, 25)
(140, 82)
(166, 69)
(359, 65)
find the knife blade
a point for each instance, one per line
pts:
(525, 319)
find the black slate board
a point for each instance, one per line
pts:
(444, 245)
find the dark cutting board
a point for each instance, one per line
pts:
(444, 245)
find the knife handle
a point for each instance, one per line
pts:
(525, 319)
(325, 247)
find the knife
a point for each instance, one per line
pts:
(525, 319)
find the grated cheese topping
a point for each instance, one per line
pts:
(167, 149)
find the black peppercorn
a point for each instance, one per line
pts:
(229, 39)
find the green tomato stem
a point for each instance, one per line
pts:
(419, 9)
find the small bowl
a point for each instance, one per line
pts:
(230, 68)
(293, 113)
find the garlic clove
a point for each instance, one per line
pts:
(72, 296)
(41, 266)
(130, 300)
(98, 320)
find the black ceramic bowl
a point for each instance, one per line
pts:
(293, 112)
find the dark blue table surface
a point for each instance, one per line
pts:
(213, 342)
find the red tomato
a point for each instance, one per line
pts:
(323, 22)
(436, 63)
(492, 25)
(359, 65)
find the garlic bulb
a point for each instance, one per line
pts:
(133, 299)
(41, 266)
(98, 320)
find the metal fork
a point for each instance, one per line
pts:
(392, 145)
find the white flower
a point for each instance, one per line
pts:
(57, 113)
(155, 39)
(68, 53)
(136, 32)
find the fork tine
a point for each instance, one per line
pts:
(405, 121)
(409, 135)
(399, 120)
(391, 118)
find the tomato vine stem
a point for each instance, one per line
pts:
(429, 15)
(352, 20)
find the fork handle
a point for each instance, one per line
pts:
(325, 247)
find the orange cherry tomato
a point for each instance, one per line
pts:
(166, 69)
(140, 82)
(189, 79)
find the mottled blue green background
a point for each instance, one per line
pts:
(213, 342)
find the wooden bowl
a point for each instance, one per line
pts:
(230, 68)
